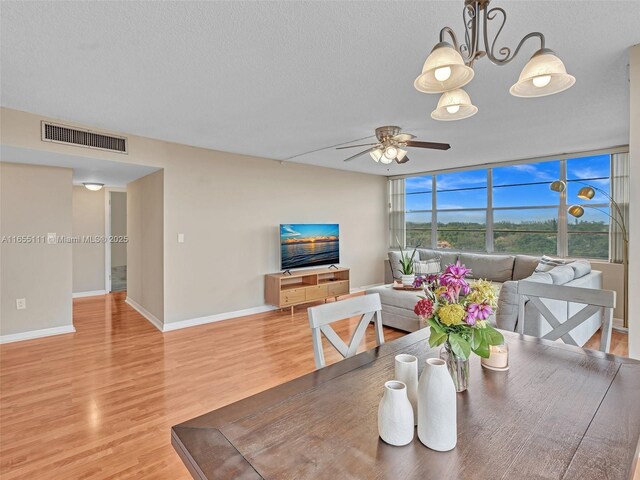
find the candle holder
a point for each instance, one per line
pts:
(498, 358)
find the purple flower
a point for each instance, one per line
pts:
(454, 277)
(477, 311)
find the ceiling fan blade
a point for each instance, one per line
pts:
(353, 146)
(403, 137)
(404, 160)
(433, 145)
(358, 154)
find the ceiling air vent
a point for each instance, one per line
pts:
(52, 132)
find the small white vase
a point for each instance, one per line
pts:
(407, 373)
(395, 415)
(407, 280)
(437, 426)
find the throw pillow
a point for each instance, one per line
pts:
(547, 263)
(427, 267)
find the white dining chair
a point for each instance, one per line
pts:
(593, 299)
(322, 316)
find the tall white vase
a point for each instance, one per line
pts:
(395, 415)
(407, 373)
(437, 426)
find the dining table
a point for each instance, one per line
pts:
(558, 412)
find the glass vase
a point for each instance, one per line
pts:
(458, 367)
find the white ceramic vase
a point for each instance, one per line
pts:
(407, 280)
(437, 426)
(395, 415)
(407, 373)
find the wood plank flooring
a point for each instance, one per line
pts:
(99, 403)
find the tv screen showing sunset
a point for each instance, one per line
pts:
(307, 245)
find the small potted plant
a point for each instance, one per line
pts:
(407, 276)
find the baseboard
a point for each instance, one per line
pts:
(365, 287)
(45, 332)
(145, 313)
(192, 322)
(91, 293)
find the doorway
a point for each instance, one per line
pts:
(116, 246)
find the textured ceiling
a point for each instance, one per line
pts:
(278, 79)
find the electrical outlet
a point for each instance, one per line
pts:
(21, 303)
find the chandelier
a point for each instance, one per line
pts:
(450, 65)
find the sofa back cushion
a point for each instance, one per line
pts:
(561, 274)
(394, 262)
(580, 268)
(446, 257)
(497, 268)
(427, 267)
(524, 266)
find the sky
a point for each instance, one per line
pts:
(467, 190)
(297, 230)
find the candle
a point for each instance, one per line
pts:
(498, 357)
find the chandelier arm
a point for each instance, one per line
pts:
(469, 49)
(505, 52)
(449, 31)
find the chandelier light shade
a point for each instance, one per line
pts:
(376, 154)
(390, 153)
(443, 70)
(543, 75)
(94, 187)
(576, 211)
(586, 193)
(454, 105)
(558, 186)
(401, 154)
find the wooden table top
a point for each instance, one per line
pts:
(559, 412)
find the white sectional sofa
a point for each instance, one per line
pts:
(504, 271)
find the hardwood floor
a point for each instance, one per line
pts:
(619, 343)
(99, 403)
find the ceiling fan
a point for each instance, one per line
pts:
(390, 146)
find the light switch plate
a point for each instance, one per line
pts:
(21, 303)
(181, 238)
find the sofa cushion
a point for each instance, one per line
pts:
(396, 298)
(497, 268)
(540, 277)
(561, 274)
(507, 312)
(427, 267)
(446, 257)
(580, 268)
(524, 266)
(394, 261)
(547, 263)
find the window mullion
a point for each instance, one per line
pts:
(489, 220)
(563, 237)
(434, 214)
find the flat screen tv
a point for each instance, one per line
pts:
(309, 245)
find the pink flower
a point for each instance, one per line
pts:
(424, 308)
(477, 311)
(454, 276)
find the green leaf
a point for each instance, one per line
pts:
(459, 345)
(433, 323)
(437, 338)
(482, 350)
(492, 336)
(476, 338)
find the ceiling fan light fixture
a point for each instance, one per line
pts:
(390, 153)
(454, 105)
(376, 154)
(401, 154)
(544, 74)
(443, 70)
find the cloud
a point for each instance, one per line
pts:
(287, 231)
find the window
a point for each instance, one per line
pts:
(525, 209)
(511, 209)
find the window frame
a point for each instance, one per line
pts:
(562, 233)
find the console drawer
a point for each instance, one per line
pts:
(290, 297)
(316, 292)
(338, 288)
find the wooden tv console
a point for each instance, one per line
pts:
(303, 286)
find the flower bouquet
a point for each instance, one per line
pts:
(457, 314)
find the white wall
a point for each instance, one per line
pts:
(35, 201)
(88, 258)
(145, 250)
(634, 204)
(118, 228)
(229, 206)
